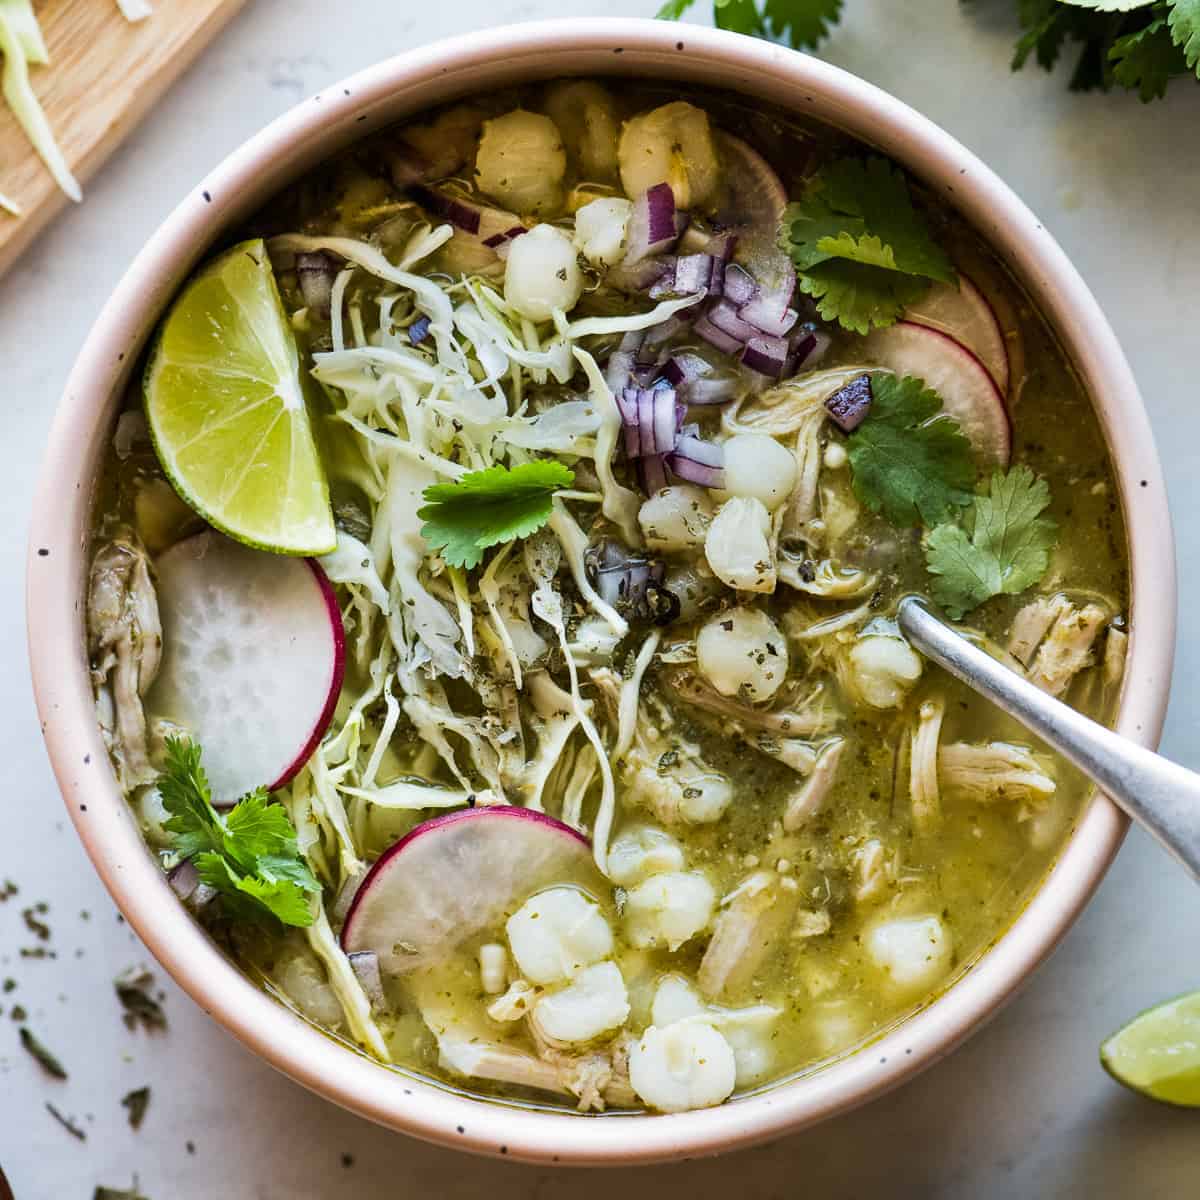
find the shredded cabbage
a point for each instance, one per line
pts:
(21, 43)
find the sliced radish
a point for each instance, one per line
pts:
(757, 196)
(253, 659)
(962, 312)
(455, 876)
(968, 391)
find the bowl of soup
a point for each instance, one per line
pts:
(462, 591)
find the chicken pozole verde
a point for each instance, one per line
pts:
(492, 604)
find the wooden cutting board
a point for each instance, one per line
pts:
(103, 76)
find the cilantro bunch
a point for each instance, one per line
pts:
(1136, 44)
(1140, 45)
(862, 250)
(249, 854)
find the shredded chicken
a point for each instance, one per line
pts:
(990, 772)
(811, 922)
(810, 799)
(875, 870)
(923, 766)
(515, 1003)
(125, 645)
(1116, 646)
(817, 716)
(1067, 648)
(755, 915)
(1031, 625)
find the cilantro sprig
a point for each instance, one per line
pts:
(1001, 546)
(910, 461)
(249, 854)
(490, 507)
(801, 23)
(863, 250)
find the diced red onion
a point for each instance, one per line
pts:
(418, 331)
(694, 273)
(716, 389)
(645, 411)
(499, 239)
(665, 423)
(709, 454)
(460, 214)
(652, 472)
(633, 585)
(849, 405)
(652, 225)
(765, 315)
(365, 965)
(723, 341)
(740, 287)
(698, 461)
(767, 355)
(185, 883)
(184, 879)
(728, 319)
(627, 403)
(683, 368)
(807, 346)
(345, 896)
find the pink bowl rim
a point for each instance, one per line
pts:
(56, 572)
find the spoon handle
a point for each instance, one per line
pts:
(1160, 795)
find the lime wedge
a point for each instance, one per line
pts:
(1158, 1053)
(225, 404)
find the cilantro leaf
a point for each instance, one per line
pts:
(249, 855)
(673, 10)
(1002, 546)
(860, 296)
(862, 249)
(910, 461)
(1184, 19)
(489, 507)
(1145, 61)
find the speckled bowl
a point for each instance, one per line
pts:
(310, 132)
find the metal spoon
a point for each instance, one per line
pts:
(1161, 796)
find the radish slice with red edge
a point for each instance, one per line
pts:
(963, 313)
(253, 659)
(969, 393)
(460, 874)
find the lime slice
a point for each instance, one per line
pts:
(225, 404)
(1158, 1053)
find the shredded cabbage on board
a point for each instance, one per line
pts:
(22, 45)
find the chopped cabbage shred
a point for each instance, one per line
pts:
(21, 43)
(135, 10)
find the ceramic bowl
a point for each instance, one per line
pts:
(285, 149)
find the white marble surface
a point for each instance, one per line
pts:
(1024, 1109)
